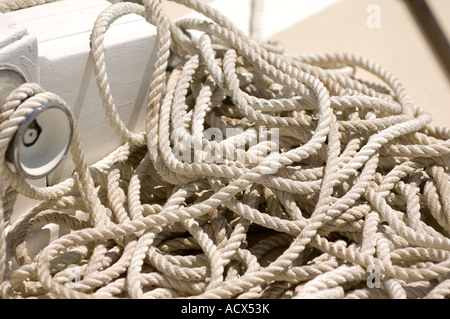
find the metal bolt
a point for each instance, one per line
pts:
(32, 134)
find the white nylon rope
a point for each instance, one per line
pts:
(355, 187)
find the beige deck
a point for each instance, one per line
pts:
(399, 46)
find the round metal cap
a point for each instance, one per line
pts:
(41, 141)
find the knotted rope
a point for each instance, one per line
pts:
(346, 196)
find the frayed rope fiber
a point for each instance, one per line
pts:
(345, 196)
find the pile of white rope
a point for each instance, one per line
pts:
(351, 200)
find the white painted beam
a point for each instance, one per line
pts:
(63, 32)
